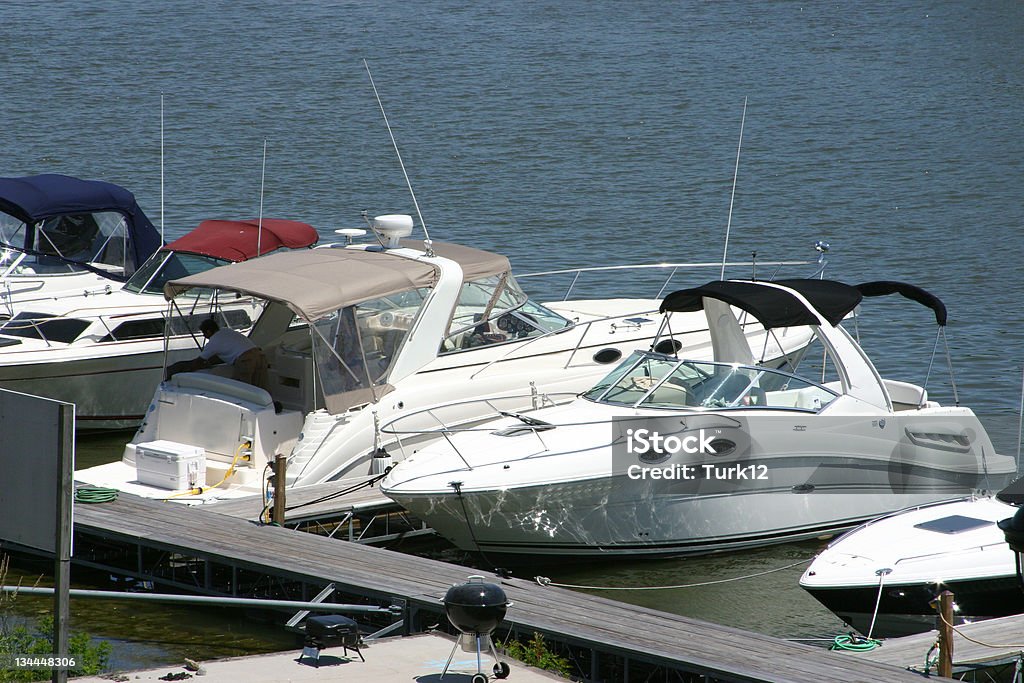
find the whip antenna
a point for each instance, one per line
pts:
(161, 168)
(732, 198)
(263, 179)
(394, 143)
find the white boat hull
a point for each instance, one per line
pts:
(617, 516)
(900, 563)
(109, 392)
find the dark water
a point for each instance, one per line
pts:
(576, 133)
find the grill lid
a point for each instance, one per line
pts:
(475, 606)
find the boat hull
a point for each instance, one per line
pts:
(109, 392)
(607, 517)
(576, 488)
(898, 564)
(905, 609)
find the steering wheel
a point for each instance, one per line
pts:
(679, 393)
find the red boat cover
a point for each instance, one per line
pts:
(237, 240)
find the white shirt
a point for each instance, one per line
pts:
(226, 344)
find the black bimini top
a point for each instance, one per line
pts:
(771, 306)
(885, 287)
(774, 307)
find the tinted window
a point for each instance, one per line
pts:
(41, 326)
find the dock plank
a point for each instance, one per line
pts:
(642, 633)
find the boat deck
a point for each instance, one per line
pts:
(622, 632)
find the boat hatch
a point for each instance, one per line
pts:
(954, 524)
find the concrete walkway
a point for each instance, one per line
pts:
(417, 658)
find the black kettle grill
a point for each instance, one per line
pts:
(476, 608)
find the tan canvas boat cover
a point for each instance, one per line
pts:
(314, 282)
(475, 263)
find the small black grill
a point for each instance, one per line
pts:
(331, 630)
(476, 608)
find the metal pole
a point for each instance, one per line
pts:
(205, 600)
(62, 564)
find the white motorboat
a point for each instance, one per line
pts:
(881, 578)
(670, 455)
(357, 335)
(103, 350)
(62, 235)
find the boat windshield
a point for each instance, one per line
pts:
(355, 346)
(57, 245)
(651, 380)
(164, 266)
(494, 309)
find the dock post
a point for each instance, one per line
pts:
(280, 465)
(946, 634)
(64, 533)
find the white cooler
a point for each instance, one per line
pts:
(170, 465)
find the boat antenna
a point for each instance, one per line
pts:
(263, 179)
(426, 235)
(732, 198)
(1020, 423)
(161, 168)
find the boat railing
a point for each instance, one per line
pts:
(431, 422)
(672, 268)
(586, 327)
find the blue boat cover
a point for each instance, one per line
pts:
(35, 198)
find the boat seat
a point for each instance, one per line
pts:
(904, 395)
(224, 386)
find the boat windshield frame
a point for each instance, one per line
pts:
(494, 310)
(647, 379)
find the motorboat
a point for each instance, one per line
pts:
(103, 350)
(357, 334)
(671, 455)
(883, 577)
(60, 234)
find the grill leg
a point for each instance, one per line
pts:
(449, 662)
(311, 648)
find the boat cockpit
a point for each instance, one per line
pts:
(493, 310)
(652, 380)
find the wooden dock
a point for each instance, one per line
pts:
(989, 643)
(319, 501)
(353, 510)
(200, 549)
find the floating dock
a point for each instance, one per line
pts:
(204, 551)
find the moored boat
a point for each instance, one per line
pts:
(883, 577)
(670, 454)
(63, 235)
(104, 350)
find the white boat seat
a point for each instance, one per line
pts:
(904, 395)
(230, 388)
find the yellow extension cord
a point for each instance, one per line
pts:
(227, 475)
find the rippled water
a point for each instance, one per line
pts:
(578, 133)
